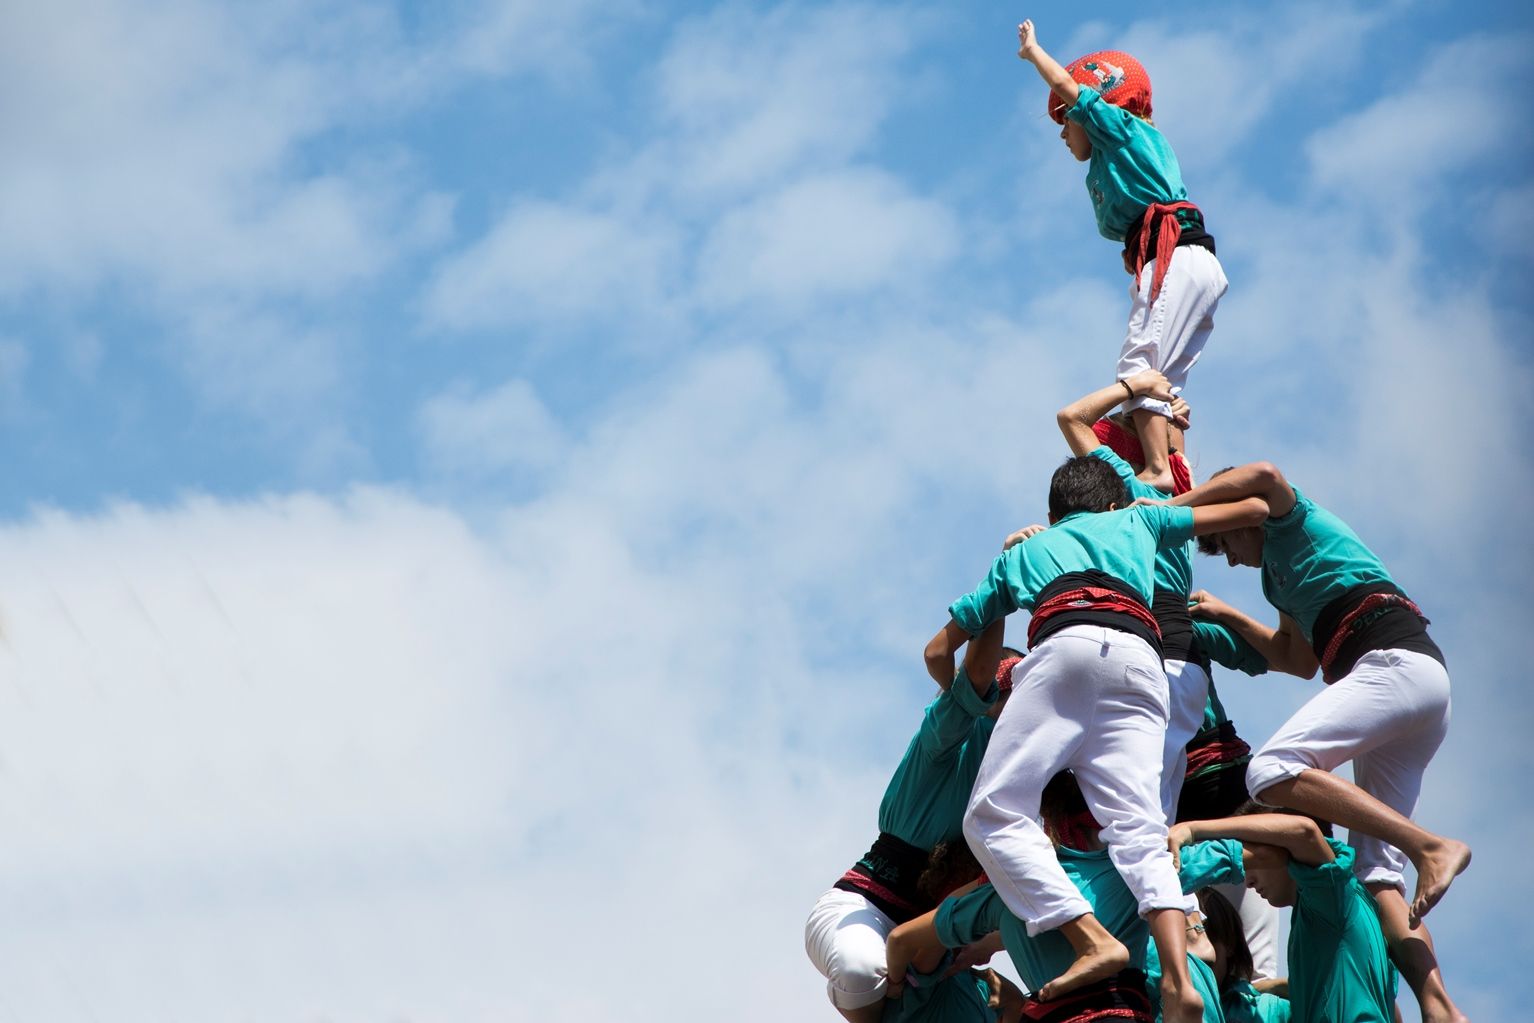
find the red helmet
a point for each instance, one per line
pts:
(1116, 75)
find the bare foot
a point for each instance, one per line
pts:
(1181, 1005)
(1440, 865)
(1099, 962)
(1160, 480)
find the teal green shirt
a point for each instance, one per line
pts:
(1042, 957)
(1310, 558)
(1245, 1004)
(1217, 861)
(932, 998)
(1132, 165)
(1339, 967)
(1174, 565)
(925, 801)
(1121, 543)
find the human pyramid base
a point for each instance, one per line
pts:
(1086, 804)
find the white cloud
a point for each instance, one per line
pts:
(507, 428)
(855, 231)
(543, 261)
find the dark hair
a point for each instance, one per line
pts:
(949, 865)
(1012, 651)
(1251, 806)
(1085, 483)
(1064, 812)
(1207, 544)
(1223, 925)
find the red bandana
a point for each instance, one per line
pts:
(1004, 673)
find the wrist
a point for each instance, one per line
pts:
(1127, 389)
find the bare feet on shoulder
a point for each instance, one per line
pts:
(1101, 961)
(1441, 863)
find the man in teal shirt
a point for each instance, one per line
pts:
(1093, 699)
(1339, 963)
(1385, 708)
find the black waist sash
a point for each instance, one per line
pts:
(1393, 626)
(1120, 997)
(887, 876)
(1192, 233)
(1087, 614)
(1178, 640)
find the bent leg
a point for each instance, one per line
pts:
(1187, 694)
(845, 938)
(1411, 949)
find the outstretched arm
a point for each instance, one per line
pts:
(1284, 648)
(1298, 835)
(1077, 418)
(1062, 84)
(1257, 479)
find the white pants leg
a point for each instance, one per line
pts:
(1094, 700)
(1188, 694)
(845, 937)
(1388, 715)
(1170, 333)
(1259, 924)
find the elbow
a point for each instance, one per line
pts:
(1267, 477)
(1254, 511)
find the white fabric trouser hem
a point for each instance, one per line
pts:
(845, 938)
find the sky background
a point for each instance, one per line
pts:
(481, 475)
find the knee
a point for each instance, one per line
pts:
(1268, 769)
(857, 974)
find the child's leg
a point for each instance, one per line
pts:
(1388, 716)
(1169, 335)
(1188, 693)
(1411, 949)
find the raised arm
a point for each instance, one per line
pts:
(1257, 479)
(1298, 835)
(1284, 648)
(983, 655)
(940, 652)
(1077, 418)
(1062, 84)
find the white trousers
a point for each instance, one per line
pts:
(1188, 694)
(845, 937)
(1170, 333)
(1388, 716)
(1093, 700)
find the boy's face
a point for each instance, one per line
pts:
(1076, 140)
(1241, 546)
(1267, 874)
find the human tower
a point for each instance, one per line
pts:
(1086, 804)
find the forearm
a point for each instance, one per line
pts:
(940, 652)
(1298, 835)
(983, 655)
(1055, 76)
(913, 944)
(1227, 515)
(1077, 419)
(1257, 479)
(1284, 650)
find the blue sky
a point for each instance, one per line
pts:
(482, 474)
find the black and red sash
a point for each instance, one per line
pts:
(1092, 598)
(887, 876)
(1371, 616)
(1178, 640)
(1159, 232)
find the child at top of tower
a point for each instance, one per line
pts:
(1103, 103)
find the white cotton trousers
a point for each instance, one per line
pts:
(1094, 700)
(845, 937)
(1388, 716)
(1188, 695)
(1170, 333)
